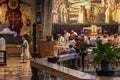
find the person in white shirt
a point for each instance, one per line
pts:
(66, 37)
(2, 45)
(72, 42)
(60, 39)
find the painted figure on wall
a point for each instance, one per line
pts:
(108, 13)
(3, 8)
(118, 15)
(114, 4)
(63, 14)
(26, 15)
(85, 11)
(55, 15)
(96, 14)
(89, 14)
(82, 15)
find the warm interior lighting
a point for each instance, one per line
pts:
(0, 11)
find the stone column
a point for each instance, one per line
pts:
(33, 12)
(47, 18)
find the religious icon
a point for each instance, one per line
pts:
(13, 4)
(94, 30)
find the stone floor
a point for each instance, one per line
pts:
(15, 70)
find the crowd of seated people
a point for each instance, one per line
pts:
(74, 39)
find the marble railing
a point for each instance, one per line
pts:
(41, 67)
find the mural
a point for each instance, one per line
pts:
(86, 11)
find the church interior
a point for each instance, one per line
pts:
(59, 39)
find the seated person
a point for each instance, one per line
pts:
(60, 39)
(71, 49)
(72, 34)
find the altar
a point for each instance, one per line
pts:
(10, 36)
(58, 49)
(12, 41)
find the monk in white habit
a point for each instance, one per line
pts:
(25, 50)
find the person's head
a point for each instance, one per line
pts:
(105, 32)
(115, 36)
(59, 35)
(23, 38)
(72, 31)
(65, 31)
(104, 36)
(70, 46)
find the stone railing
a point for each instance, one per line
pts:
(44, 70)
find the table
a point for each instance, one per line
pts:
(59, 49)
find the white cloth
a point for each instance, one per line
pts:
(76, 33)
(2, 46)
(25, 50)
(72, 42)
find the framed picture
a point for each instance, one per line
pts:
(38, 17)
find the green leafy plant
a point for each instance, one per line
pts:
(29, 38)
(83, 46)
(104, 53)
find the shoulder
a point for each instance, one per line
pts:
(2, 38)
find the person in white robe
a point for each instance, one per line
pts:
(25, 50)
(66, 37)
(2, 45)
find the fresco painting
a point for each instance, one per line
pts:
(86, 11)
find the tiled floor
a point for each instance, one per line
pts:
(14, 70)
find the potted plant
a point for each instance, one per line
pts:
(29, 38)
(83, 52)
(105, 56)
(83, 48)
